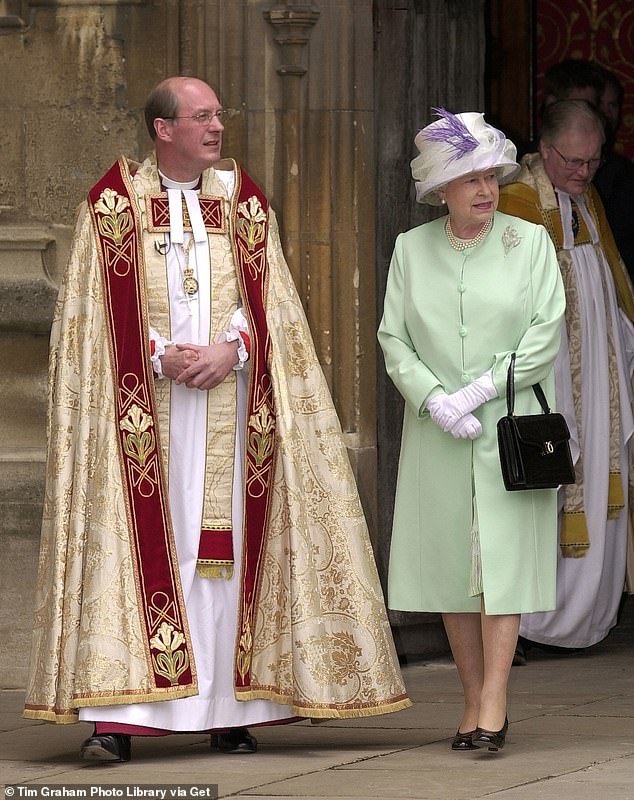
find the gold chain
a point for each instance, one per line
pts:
(190, 284)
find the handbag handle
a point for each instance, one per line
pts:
(510, 390)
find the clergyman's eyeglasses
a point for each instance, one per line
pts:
(574, 164)
(204, 118)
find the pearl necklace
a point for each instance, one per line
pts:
(463, 244)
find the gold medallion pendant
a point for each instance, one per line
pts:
(190, 284)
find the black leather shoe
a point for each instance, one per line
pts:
(464, 741)
(106, 747)
(236, 740)
(493, 739)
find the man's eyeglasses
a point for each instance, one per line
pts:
(574, 164)
(205, 117)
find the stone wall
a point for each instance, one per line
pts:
(427, 53)
(297, 78)
(324, 97)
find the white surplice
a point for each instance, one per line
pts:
(589, 589)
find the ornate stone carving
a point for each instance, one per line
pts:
(27, 294)
(293, 22)
(13, 13)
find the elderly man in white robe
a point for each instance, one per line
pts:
(593, 374)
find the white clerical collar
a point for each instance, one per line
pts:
(188, 190)
(168, 183)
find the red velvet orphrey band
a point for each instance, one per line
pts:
(118, 227)
(250, 222)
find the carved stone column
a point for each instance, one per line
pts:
(325, 158)
(27, 297)
(293, 22)
(12, 13)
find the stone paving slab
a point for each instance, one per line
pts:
(435, 775)
(613, 780)
(571, 738)
(577, 725)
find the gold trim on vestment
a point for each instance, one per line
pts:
(616, 498)
(211, 208)
(214, 569)
(552, 223)
(573, 536)
(99, 699)
(533, 197)
(58, 717)
(325, 711)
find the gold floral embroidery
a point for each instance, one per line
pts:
(251, 229)
(170, 662)
(298, 361)
(245, 649)
(261, 426)
(282, 669)
(139, 442)
(139, 445)
(330, 447)
(331, 658)
(115, 221)
(260, 445)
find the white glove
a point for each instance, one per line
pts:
(467, 427)
(447, 409)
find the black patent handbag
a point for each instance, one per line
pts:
(535, 448)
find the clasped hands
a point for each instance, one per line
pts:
(199, 366)
(452, 412)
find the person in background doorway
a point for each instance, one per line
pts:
(593, 374)
(615, 177)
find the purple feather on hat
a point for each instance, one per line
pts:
(454, 133)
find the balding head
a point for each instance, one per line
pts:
(164, 99)
(571, 144)
(571, 115)
(184, 117)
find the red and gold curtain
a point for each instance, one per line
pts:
(601, 30)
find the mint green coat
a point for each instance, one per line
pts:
(449, 317)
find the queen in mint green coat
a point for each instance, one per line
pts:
(450, 316)
(464, 293)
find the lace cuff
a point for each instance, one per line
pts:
(158, 345)
(234, 335)
(238, 332)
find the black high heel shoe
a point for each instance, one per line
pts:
(494, 739)
(464, 741)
